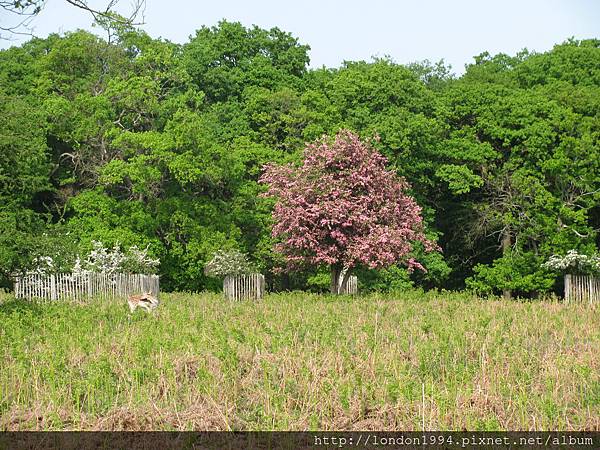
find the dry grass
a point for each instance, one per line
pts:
(301, 361)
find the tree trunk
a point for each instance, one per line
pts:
(285, 282)
(345, 274)
(335, 277)
(506, 244)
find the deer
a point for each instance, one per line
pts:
(146, 301)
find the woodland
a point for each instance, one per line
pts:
(135, 141)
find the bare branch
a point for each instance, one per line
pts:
(138, 5)
(25, 11)
(577, 233)
(28, 10)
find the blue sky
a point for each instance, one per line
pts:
(407, 31)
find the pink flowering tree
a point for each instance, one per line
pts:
(343, 208)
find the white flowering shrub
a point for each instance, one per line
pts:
(138, 261)
(574, 262)
(104, 260)
(42, 265)
(78, 270)
(228, 262)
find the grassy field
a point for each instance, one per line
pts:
(300, 361)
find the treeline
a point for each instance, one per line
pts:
(144, 142)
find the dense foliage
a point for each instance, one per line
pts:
(144, 142)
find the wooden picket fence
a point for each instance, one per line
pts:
(244, 287)
(81, 286)
(582, 288)
(351, 286)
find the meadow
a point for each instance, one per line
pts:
(297, 361)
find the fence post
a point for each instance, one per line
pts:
(52, 287)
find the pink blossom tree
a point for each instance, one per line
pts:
(343, 208)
